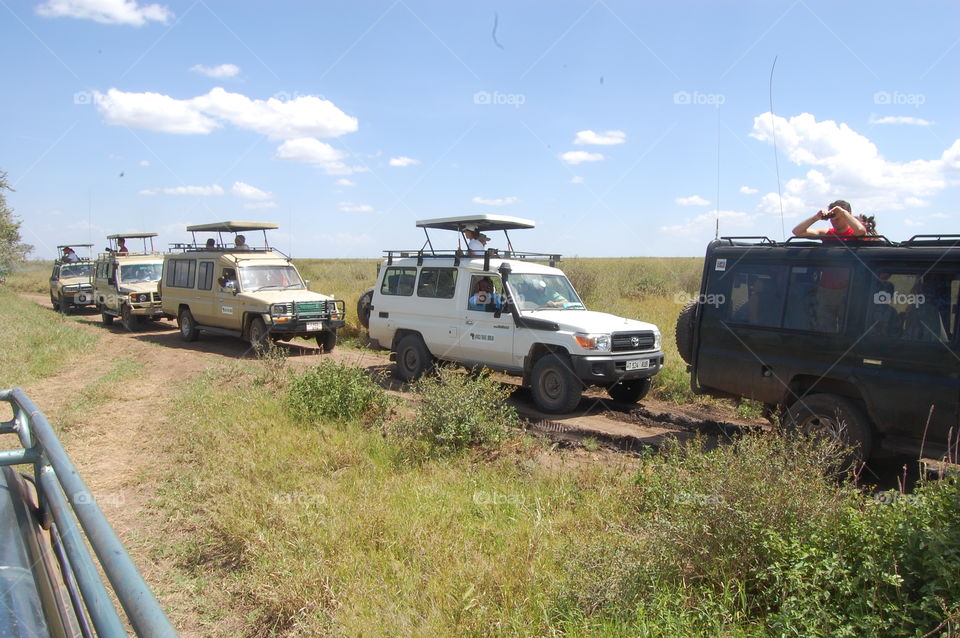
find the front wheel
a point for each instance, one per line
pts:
(130, 321)
(106, 317)
(327, 340)
(64, 305)
(259, 337)
(188, 327)
(555, 388)
(836, 418)
(630, 391)
(413, 358)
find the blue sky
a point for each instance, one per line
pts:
(345, 122)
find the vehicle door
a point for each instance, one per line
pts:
(433, 310)
(909, 355)
(486, 338)
(55, 282)
(226, 311)
(203, 293)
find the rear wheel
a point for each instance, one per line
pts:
(327, 340)
(685, 331)
(835, 418)
(130, 321)
(188, 327)
(259, 338)
(630, 391)
(413, 358)
(555, 388)
(363, 308)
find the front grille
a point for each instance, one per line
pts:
(307, 308)
(626, 341)
(86, 288)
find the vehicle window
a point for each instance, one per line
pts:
(398, 281)
(75, 270)
(913, 306)
(254, 278)
(439, 283)
(756, 295)
(181, 274)
(227, 275)
(485, 293)
(537, 292)
(139, 273)
(205, 278)
(817, 298)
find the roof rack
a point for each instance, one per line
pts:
(933, 240)
(187, 247)
(829, 240)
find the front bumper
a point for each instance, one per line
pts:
(146, 309)
(304, 327)
(608, 369)
(82, 298)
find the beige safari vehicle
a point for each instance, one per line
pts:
(255, 293)
(125, 281)
(70, 285)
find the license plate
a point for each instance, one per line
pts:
(641, 364)
(314, 325)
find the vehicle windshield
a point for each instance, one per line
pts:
(254, 278)
(540, 292)
(140, 273)
(75, 270)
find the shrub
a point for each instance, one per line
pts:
(457, 411)
(336, 391)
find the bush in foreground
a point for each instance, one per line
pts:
(336, 391)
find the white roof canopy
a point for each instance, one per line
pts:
(480, 222)
(231, 227)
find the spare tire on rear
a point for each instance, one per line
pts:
(363, 308)
(685, 331)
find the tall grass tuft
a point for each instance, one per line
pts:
(336, 391)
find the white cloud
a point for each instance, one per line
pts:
(246, 191)
(693, 200)
(304, 116)
(746, 190)
(312, 151)
(214, 189)
(899, 119)
(343, 181)
(106, 11)
(576, 179)
(578, 157)
(219, 71)
(144, 163)
(260, 205)
(915, 202)
(845, 164)
(706, 223)
(500, 201)
(607, 138)
(911, 223)
(403, 161)
(350, 207)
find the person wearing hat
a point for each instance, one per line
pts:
(474, 245)
(69, 256)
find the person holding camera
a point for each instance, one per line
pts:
(843, 224)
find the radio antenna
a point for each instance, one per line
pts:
(776, 158)
(717, 232)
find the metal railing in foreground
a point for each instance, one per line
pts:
(60, 490)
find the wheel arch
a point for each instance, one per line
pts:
(538, 351)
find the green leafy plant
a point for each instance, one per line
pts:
(337, 391)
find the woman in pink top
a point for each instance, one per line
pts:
(843, 224)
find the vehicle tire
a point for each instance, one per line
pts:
(363, 308)
(258, 335)
(836, 417)
(630, 391)
(413, 358)
(555, 388)
(684, 331)
(327, 340)
(188, 327)
(63, 306)
(130, 321)
(106, 317)
(53, 302)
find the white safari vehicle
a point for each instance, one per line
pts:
(255, 293)
(508, 311)
(70, 285)
(125, 281)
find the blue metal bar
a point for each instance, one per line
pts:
(18, 457)
(55, 472)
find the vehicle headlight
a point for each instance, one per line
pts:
(279, 309)
(656, 340)
(598, 342)
(140, 297)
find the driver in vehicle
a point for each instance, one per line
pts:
(484, 297)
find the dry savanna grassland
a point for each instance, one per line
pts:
(279, 497)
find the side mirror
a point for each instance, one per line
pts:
(306, 284)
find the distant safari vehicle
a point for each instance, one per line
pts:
(254, 293)
(505, 310)
(125, 283)
(70, 283)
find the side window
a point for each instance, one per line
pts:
(227, 275)
(913, 306)
(438, 283)
(817, 298)
(757, 295)
(398, 281)
(182, 273)
(486, 293)
(168, 269)
(205, 279)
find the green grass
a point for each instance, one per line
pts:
(31, 277)
(36, 341)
